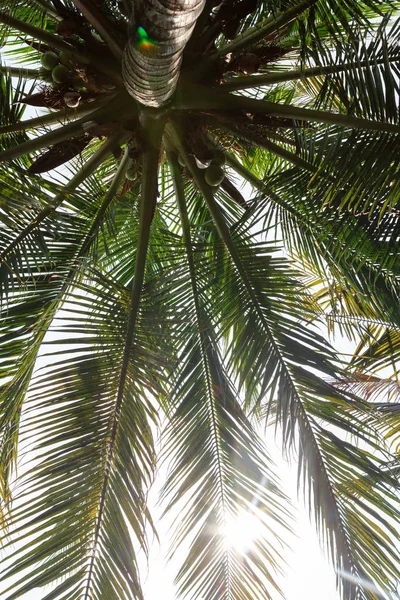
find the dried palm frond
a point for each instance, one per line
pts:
(59, 154)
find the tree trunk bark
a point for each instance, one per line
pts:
(159, 32)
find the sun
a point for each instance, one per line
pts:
(240, 532)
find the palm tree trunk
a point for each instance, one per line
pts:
(151, 64)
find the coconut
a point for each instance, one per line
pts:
(60, 74)
(65, 58)
(214, 175)
(49, 60)
(181, 161)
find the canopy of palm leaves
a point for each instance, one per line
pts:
(182, 305)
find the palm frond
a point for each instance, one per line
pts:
(217, 459)
(361, 260)
(274, 354)
(134, 291)
(79, 393)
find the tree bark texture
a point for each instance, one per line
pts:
(151, 64)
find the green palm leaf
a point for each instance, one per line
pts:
(217, 457)
(73, 407)
(135, 292)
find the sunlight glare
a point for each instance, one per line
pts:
(240, 532)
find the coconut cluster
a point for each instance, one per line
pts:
(214, 173)
(56, 67)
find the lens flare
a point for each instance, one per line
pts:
(144, 43)
(366, 584)
(142, 32)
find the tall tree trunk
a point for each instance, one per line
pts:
(159, 32)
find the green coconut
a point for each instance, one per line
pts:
(60, 74)
(49, 60)
(219, 158)
(214, 175)
(65, 58)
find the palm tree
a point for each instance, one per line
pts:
(179, 305)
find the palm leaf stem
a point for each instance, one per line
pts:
(180, 198)
(48, 313)
(88, 168)
(253, 35)
(48, 8)
(358, 319)
(201, 328)
(203, 32)
(219, 221)
(255, 81)
(150, 157)
(316, 228)
(198, 97)
(95, 224)
(100, 23)
(259, 32)
(108, 198)
(55, 136)
(258, 183)
(66, 132)
(19, 72)
(40, 34)
(261, 142)
(243, 171)
(223, 231)
(57, 117)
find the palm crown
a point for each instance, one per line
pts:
(180, 304)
